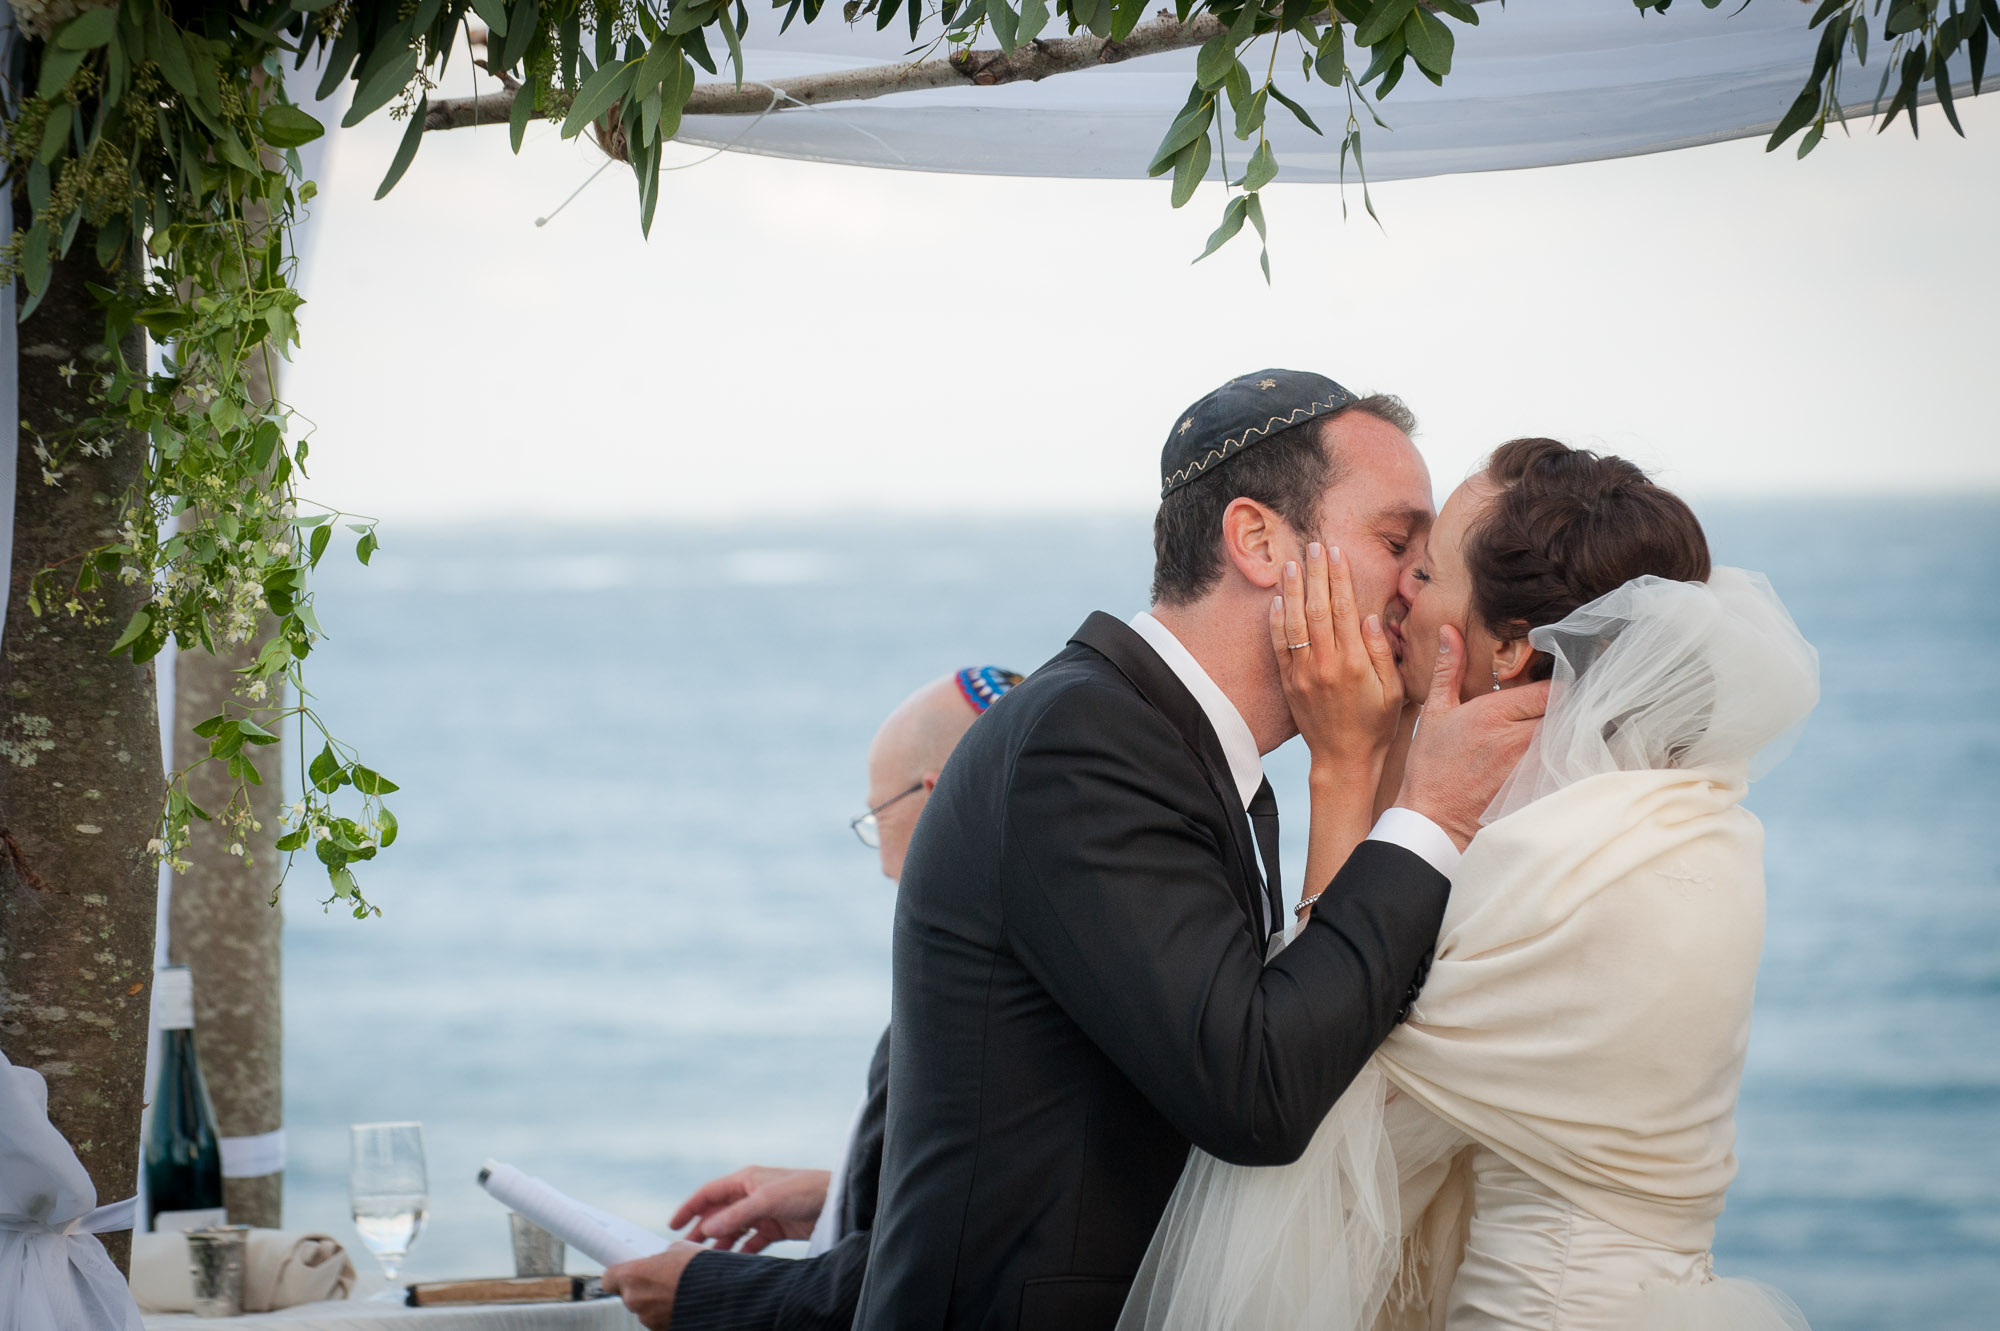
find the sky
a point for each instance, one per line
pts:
(798, 338)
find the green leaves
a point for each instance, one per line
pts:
(603, 88)
(1233, 215)
(518, 117)
(1190, 166)
(286, 126)
(379, 87)
(1262, 170)
(134, 630)
(1191, 124)
(88, 30)
(1429, 42)
(1386, 17)
(406, 151)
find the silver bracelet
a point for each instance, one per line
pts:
(1307, 903)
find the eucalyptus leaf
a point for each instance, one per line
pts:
(1429, 42)
(1232, 222)
(382, 87)
(493, 13)
(518, 116)
(1262, 169)
(58, 65)
(659, 59)
(1297, 110)
(1216, 59)
(1804, 109)
(523, 26)
(596, 97)
(1006, 26)
(1386, 18)
(1189, 169)
(286, 126)
(135, 629)
(1189, 125)
(55, 132)
(88, 30)
(729, 35)
(1034, 18)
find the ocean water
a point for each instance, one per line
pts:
(629, 942)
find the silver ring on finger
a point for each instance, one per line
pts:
(1299, 646)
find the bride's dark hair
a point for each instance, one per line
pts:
(1565, 527)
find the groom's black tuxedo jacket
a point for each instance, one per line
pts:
(1080, 992)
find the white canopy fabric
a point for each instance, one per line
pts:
(1537, 83)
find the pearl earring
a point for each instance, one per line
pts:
(1496, 679)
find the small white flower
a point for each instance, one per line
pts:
(156, 847)
(236, 848)
(68, 371)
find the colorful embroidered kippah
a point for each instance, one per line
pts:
(982, 686)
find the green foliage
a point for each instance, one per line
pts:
(172, 147)
(1924, 37)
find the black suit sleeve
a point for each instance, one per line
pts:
(734, 1291)
(1117, 900)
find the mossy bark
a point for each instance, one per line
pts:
(80, 772)
(224, 926)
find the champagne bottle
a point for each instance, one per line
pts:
(183, 1158)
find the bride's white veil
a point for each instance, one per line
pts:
(1711, 677)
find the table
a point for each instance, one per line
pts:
(362, 1315)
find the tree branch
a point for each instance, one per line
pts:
(1032, 62)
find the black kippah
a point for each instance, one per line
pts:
(1243, 411)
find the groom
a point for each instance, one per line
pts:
(1080, 980)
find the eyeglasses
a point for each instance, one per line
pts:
(868, 829)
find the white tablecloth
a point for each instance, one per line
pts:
(362, 1315)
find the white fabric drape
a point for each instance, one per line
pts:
(54, 1274)
(1535, 84)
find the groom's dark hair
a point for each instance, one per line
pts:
(1288, 472)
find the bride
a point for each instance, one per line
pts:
(1546, 1142)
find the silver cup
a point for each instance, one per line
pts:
(215, 1260)
(536, 1251)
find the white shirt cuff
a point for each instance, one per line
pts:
(1418, 835)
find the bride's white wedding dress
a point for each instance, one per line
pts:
(1546, 1143)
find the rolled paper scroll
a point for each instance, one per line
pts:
(598, 1235)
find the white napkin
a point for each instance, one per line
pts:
(282, 1268)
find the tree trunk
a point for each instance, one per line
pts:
(80, 779)
(223, 923)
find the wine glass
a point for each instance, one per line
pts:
(389, 1188)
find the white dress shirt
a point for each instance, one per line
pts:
(1399, 827)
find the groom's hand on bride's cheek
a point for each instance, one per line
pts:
(1464, 751)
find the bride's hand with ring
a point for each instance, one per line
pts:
(1341, 682)
(1338, 672)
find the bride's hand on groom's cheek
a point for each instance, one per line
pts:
(1338, 671)
(1464, 751)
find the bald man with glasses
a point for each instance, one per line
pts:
(732, 1286)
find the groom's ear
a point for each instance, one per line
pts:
(1256, 542)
